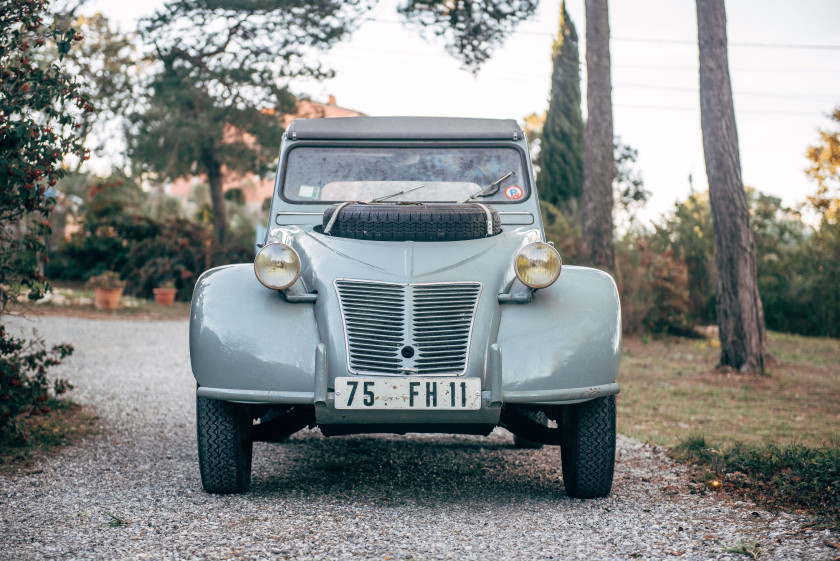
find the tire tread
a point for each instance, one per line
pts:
(588, 456)
(224, 447)
(432, 222)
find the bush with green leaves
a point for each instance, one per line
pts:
(654, 289)
(179, 252)
(119, 233)
(39, 109)
(798, 265)
(112, 222)
(793, 476)
(24, 386)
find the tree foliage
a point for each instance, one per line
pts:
(107, 65)
(560, 159)
(798, 266)
(689, 235)
(825, 170)
(628, 185)
(38, 128)
(470, 28)
(223, 66)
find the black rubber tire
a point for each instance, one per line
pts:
(588, 451)
(225, 448)
(438, 222)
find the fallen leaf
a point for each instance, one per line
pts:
(835, 545)
(677, 553)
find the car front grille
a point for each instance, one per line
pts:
(407, 328)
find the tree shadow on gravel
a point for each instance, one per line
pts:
(416, 470)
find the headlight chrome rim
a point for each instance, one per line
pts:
(293, 259)
(550, 254)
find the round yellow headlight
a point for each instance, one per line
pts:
(277, 266)
(538, 265)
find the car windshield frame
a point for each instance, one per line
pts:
(522, 178)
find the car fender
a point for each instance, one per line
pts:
(246, 337)
(566, 343)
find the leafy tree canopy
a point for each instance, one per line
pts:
(224, 67)
(825, 170)
(39, 106)
(471, 29)
(560, 158)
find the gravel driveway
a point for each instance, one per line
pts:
(380, 497)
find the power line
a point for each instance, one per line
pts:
(424, 61)
(697, 109)
(797, 97)
(731, 44)
(656, 40)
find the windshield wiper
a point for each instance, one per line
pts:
(484, 192)
(392, 195)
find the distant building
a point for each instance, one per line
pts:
(256, 190)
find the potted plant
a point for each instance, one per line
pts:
(108, 288)
(165, 293)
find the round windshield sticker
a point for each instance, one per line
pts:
(514, 192)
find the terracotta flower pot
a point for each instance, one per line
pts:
(107, 298)
(165, 296)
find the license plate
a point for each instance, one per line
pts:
(407, 393)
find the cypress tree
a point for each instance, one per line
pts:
(561, 149)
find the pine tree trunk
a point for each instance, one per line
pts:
(217, 196)
(739, 310)
(599, 165)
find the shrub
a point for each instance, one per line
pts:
(562, 226)
(38, 127)
(24, 388)
(179, 253)
(112, 223)
(108, 280)
(654, 289)
(118, 235)
(793, 476)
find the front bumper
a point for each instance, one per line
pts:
(493, 396)
(249, 344)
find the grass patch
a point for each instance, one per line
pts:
(66, 423)
(670, 390)
(115, 521)
(771, 438)
(792, 476)
(751, 549)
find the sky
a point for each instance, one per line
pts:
(784, 60)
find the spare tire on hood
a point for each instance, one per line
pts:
(398, 222)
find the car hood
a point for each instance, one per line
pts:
(327, 258)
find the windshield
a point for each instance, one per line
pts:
(321, 174)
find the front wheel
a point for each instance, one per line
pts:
(588, 450)
(225, 447)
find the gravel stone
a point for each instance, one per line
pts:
(133, 492)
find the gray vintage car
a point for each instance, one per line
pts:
(405, 285)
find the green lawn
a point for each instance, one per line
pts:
(670, 390)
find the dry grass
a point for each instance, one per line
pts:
(670, 390)
(67, 423)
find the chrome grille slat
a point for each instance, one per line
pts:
(380, 319)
